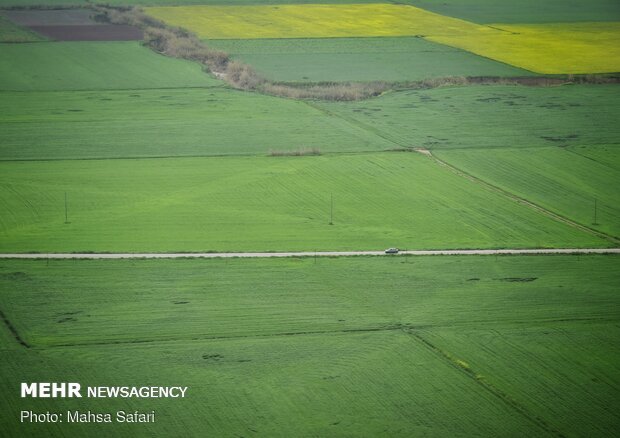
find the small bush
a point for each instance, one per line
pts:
(242, 76)
(301, 152)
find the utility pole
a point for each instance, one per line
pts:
(66, 210)
(331, 209)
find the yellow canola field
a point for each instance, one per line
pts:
(557, 48)
(310, 21)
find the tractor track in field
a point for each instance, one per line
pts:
(492, 389)
(215, 255)
(13, 330)
(241, 336)
(519, 199)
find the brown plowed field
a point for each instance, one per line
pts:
(56, 17)
(90, 33)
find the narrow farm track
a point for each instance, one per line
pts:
(215, 255)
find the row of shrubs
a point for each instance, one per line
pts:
(301, 152)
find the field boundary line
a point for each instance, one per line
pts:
(492, 389)
(213, 255)
(356, 123)
(386, 328)
(521, 200)
(13, 330)
(570, 151)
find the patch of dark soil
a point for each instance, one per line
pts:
(212, 356)
(115, 32)
(560, 138)
(180, 302)
(15, 276)
(66, 319)
(56, 17)
(473, 279)
(552, 106)
(518, 279)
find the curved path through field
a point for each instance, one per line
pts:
(213, 255)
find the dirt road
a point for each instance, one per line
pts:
(208, 255)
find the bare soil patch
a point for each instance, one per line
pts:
(90, 33)
(56, 17)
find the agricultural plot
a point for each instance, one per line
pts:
(52, 17)
(552, 371)
(310, 21)
(359, 59)
(547, 48)
(58, 303)
(90, 33)
(263, 204)
(559, 180)
(490, 116)
(11, 33)
(26, 3)
(183, 122)
(524, 11)
(91, 66)
(385, 339)
(72, 25)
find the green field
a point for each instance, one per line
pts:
(524, 11)
(111, 147)
(11, 33)
(333, 347)
(606, 155)
(554, 178)
(170, 122)
(263, 204)
(94, 66)
(359, 59)
(216, 121)
(523, 362)
(490, 116)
